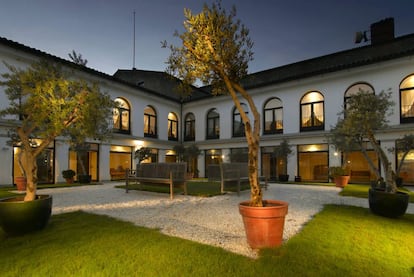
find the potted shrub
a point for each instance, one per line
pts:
(282, 152)
(364, 114)
(339, 175)
(33, 94)
(188, 154)
(216, 49)
(68, 175)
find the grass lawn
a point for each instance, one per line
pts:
(6, 191)
(361, 191)
(339, 241)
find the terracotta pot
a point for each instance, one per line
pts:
(264, 225)
(21, 183)
(69, 180)
(341, 181)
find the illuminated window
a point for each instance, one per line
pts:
(172, 127)
(213, 124)
(150, 122)
(238, 125)
(407, 100)
(312, 112)
(121, 117)
(189, 127)
(356, 89)
(273, 116)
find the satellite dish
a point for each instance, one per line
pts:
(361, 36)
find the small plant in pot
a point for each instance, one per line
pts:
(365, 113)
(68, 175)
(340, 175)
(282, 152)
(216, 49)
(36, 111)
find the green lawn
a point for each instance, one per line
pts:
(339, 241)
(361, 191)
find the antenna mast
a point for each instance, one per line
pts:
(133, 54)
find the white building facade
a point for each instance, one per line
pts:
(298, 102)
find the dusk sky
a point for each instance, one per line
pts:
(283, 31)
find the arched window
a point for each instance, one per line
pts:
(407, 100)
(273, 116)
(172, 127)
(121, 117)
(150, 122)
(238, 125)
(312, 111)
(355, 89)
(213, 124)
(189, 127)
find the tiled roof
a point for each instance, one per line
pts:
(399, 47)
(160, 84)
(44, 55)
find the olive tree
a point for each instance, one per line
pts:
(216, 49)
(364, 114)
(45, 102)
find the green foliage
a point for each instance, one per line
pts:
(45, 102)
(216, 49)
(364, 114)
(283, 150)
(214, 44)
(69, 173)
(142, 154)
(338, 171)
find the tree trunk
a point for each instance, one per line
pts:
(389, 173)
(30, 167)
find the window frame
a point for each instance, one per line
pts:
(172, 123)
(147, 123)
(312, 105)
(240, 132)
(121, 110)
(273, 126)
(189, 127)
(215, 121)
(406, 119)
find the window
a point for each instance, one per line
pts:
(172, 127)
(312, 112)
(273, 116)
(407, 100)
(213, 127)
(121, 117)
(150, 122)
(189, 127)
(355, 89)
(238, 125)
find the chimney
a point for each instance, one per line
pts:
(382, 31)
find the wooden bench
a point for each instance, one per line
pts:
(360, 176)
(236, 173)
(171, 174)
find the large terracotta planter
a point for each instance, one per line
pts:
(341, 181)
(388, 204)
(18, 217)
(264, 225)
(21, 183)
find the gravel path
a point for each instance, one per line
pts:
(213, 220)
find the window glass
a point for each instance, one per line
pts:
(407, 100)
(150, 122)
(312, 112)
(273, 116)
